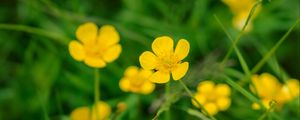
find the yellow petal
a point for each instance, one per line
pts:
(200, 98)
(159, 77)
(131, 71)
(94, 62)
(108, 36)
(124, 84)
(112, 53)
(162, 46)
(182, 49)
(147, 87)
(81, 113)
(103, 110)
(148, 60)
(180, 70)
(87, 33)
(206, 87)
(223, 103)
(293, 86)
(211, 108)
(222, 90)
(76, 50)
(145, 73)
(270, 84)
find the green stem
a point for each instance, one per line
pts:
(192, 96)
(273, 49)
(46, 117)
(237, 39)
(167, 95)
(97, 92)
(268, 111)
(28, 29)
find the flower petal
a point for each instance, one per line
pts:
(222, 90)
(108, 36)
(87, 33)
(112, 53)
(124, 84)
(180, 70)
(104, 111)
(182, 49)
(147, 87)
(131, 71)
(94, 62)
(162, 45)
(223, 103)
(76, 50)
(206, 87)
(211, 108)
(148, 60)
(81, 113)
(159, 77)
(200, 98)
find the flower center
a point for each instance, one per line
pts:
(167, 62)
(94, 50)
(137, 81)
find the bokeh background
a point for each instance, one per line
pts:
(38, 76)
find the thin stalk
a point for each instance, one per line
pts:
(268, 111)
(244, 92)
(237, 39)
(192, 96)
(38, 31)
(44, 109)
(167, 95)
(97, 92)
(266, 57)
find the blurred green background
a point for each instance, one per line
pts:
(38, 76)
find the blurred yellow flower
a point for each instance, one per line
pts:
(95, 47)
(268, 88)
(165, 61)
(213, 97)
(84, 113)
(241, 10)
(136, 80)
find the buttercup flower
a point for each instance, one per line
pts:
(95, 47)
(268, 88)
(241, 10)
(213, 97)
(84, 113)
(165, 61)
(136, 80)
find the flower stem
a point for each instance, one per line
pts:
(97, 92)
(167, 95)
(192, 96)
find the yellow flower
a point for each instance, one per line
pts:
(136, 80)
(214, 98)
(165, 61)
(241, 10)
(84, 113)
(95, 47)
(269, 88)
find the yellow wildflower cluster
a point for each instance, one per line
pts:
(136, 80)
(84, 113)
(268, 88)
(165, 61)
(213, 97)
(241, 10)
(95, 47)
